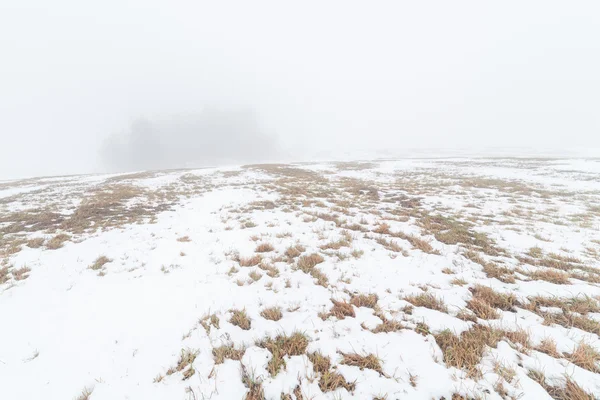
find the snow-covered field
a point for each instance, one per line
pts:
(407, 279)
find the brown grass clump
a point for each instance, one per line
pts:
(281, 346)
(320, 362)
(388, 326)
(487, 295)
(335, 245)
(221, 353)
(329, 380)
(306, 263)
(250, 261)
(255, 275)
(369, 361)
(466, 316)
(99, 263)
(85, 394)
(4, 274)
(264, 248)
(482, 310)
(254, 385)
(240, 318)
(458, 282)
(57, 241)
(427, 300)
(571, 310)
(341, 309)
(570, 390)
(382, 228)
(20, 274)
(586, 357)
(272, 313)
(391, 246)
(184, 239)
(186, 358)
(491, 269)
(578, 304)
(35, 243)
(365, 300)
(355, 227)
(520, 336)
(449, 230)
(535, 252)
(569, 320)
(294, 251)
(548, 346)
(550, 275)
(209, 320)
(417, 242)
(465, 351)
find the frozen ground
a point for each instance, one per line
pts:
(409, 279)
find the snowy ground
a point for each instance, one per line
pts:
(409, 279)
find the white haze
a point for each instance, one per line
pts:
(313, 79)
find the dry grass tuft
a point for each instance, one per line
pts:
(272, 313)
(570, 390)
(465, 351)
(184, 239)
(388, 326)
(209, 320)
(382, 228)
(482, 310)
(20, 274)
(99, 263)
(458, 282)
(294, 251)
(35, 243)
(466, 316)
(281, 346)
(365, 300)
(307, 264)
(505, 302)
(4, 274)
(221, 353)
(85, 394)
(535, 252)
(417, 242)
(255, 276)
(250, 261)
(427, 300)
(329, 380)
(391, 245)
(586, 357)
(186, 358)
(341, 309)
(503, 274)
(254, 385)
(548, 346)
(264, 248)
(369, 361)
(550, 275)
(573, 314)
(57, 241)
(320, 362)
(332, 380)
(240, 318)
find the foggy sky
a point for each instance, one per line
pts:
(320, 77)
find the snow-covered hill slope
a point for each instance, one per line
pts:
(410, 279)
